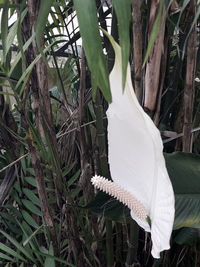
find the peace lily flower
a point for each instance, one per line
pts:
(137, 165)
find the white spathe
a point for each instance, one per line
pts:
(136, 158)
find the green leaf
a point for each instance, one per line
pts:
(50, 262)
(11, 252)
(187, 211)
(5, 257)
(18, 57)
(32, 196)
(31, 235)
(73, 178)
(186, 236)
(30, 239)
(12, 33)
(66, 170)
(123, 12)
(64, 262)
(31, 207)
(44, 10)
(27, 72)
(4, 28)
(30, 180)
(7, 217)
(29, 219)
(18, 246)
(154, 32)
(88, 23)
(184, 172)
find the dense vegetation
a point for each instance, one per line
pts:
(53, 136)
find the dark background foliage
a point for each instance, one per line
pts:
(53, 97)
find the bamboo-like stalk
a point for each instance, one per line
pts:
(41, 107)
(161, 84)
(104, 170)
(152, 74)
(189, 81)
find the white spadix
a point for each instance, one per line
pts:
(136, 160)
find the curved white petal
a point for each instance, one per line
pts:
(136, 158)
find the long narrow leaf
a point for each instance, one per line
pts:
(18, 246)
(154, 33)
(31, 207)
(88, 23)
(123, 12)
(4, 28)
(5, 257)
(11, 252)
(45, 7)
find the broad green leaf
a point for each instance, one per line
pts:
(31, 180)
(31, 171)
(186, 236)
(187, 210)
(123, 12)
(17, 187)
(31, 207)
(31, 196)
(184, 172)
(18, 246)
(88, 23)
(29, 219)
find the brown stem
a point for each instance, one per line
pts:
(161, 85)
(41, 187)
(41, 107)
(152, 75)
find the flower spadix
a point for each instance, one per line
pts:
(137, 165)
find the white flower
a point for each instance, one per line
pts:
(136, 159)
